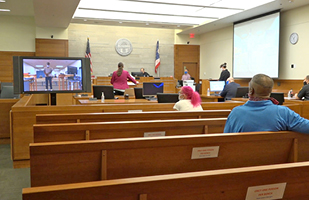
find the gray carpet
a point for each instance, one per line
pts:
(11, 180)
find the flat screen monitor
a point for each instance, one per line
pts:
(107, 89)
(167, 97)
(279, 96)
(30, 74)
(152, 88)
(216, 86)
(72, 70)
(137, 74)
(242, 92)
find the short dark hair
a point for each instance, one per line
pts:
(223, 65)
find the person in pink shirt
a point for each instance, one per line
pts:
(120, 78)
(186, 75)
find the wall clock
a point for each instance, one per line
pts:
(294, 38)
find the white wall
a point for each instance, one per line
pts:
(296, 20)
(17, 34)
(57, 33)
(217, 47)
(104, 56)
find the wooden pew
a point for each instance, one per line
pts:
(94, 160)
(126, 116)
(125, 129)
(24, 116)
(227, 184)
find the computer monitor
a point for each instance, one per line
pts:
(242, 92)
(152, 88)
(279, 96)
(137, 74)
(138, 92)
(107, 89)
(167, 97)
(216, 86)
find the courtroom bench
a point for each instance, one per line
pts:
(280, 181)
(24, 112)
(94, 160)
(128, 116)
(125, 129)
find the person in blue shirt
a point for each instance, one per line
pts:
(261, 113)
(229, 91)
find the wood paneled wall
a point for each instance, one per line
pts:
(185, 54)
(51, 47)
(280, 85)
(6, 64)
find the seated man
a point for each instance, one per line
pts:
(304, 92)
(230, 89)
(145, 74)
(261, 114)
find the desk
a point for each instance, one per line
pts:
(116, 101)
(206, 98)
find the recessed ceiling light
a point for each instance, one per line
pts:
(147, 24)
(4, 10)
(2, 1)
(85, 20)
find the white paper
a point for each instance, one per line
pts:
(135, 110)
(154, 134)
(205, 152)
(266, 192)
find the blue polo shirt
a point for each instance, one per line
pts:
(264, 116)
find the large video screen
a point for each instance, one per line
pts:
(256, 47)
(52, 75)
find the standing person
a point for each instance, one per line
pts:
(186, 75)
(189, 100)
(48, 76)
(225, 74)
(144, 74)
(120, 78)
(304, 92)
(261, 113)
(230, 89)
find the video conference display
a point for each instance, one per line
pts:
(256, 47)
(52, 74)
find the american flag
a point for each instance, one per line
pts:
(88, 54)
(157, 62)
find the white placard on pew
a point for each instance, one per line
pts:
(266, 192)
(205, 152)
(154, 134)
(135, 110)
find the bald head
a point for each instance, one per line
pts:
(230, 80)
(261, 86)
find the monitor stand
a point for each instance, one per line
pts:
(151, 98)
(53, 99)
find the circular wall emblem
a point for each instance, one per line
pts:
(123, 47)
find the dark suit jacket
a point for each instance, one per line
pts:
(225, 74)
(229, 91)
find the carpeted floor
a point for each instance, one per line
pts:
(11, 180)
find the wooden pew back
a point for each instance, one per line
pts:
(224, 184)
(93, 160)
(128, 116)
(125, 129)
